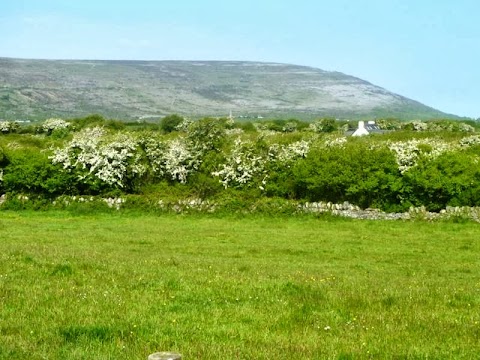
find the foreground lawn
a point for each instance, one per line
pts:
(122, 287)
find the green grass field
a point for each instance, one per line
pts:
(116, 286)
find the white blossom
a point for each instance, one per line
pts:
(466, 127)
(419, 125)
(336, 142)
(234, 131)
(470, 141)
(287, 153)
(184, 125)
(262, 129)
(52, 124)
(179, 161)
(93, 154)
(8, 126)
(407, 153)
(241, 166)
(320, 125)
(173, 158)
(290, 126)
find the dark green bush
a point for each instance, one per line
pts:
(88, 121)
(31, 172)
(3, 158)
(59, 134)
(169, 123)
(246, 126)
(357, 174)
(205, 186)
(452, 179)
(327, 125)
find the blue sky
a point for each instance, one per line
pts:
(423, 49)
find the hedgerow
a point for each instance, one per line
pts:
(433, 164)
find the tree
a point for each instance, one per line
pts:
(170, 122)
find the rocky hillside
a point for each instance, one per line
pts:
(37, 89)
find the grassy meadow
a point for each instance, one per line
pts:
(122, 286)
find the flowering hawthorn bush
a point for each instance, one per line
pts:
(290, 126)
(433, 126)
(287, 153)
(242, 165)
(323, 125)
(468, 141)
(336, 142)
(419, 126)
(179, 161)
(53, 124)
(234, 132)
(94, 156)
(98, 157)
(206, 135)
(465, 127)
(173, 159)
(407, 153)
(8, 126)
(184, 125)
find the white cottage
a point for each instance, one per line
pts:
(366, 129)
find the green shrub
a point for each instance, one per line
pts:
(59, 134)
(281, 183)
(246, 126)
(205, 186)
(207, 134)
(325, 125)
(31, 172)
(452, 179)
(169, 123)
(88, 121)
(3, 158)
(367, 177)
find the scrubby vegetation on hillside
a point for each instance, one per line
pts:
(432, 164)
(38, 89)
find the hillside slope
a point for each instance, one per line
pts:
(36, 89)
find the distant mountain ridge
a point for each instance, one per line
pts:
(38, 89)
